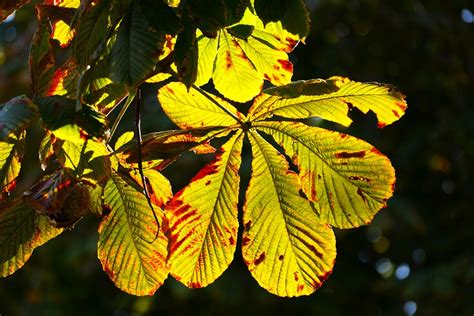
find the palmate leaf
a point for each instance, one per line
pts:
(348, 180)
(288, 250)
(21, 231)
(239, 58)
(203, 219)
(384, 100)
(128, 251)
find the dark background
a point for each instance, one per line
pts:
(417, 255)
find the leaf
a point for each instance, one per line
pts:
(203, 219)
(61, 116)
(11, 154)
(234, 74)
(186, 55)
(158, 147)
(95, 193)
(127, 248)
(8, 6)
(91, 31)
(87, 161)
(46, 151)
(207, 51)
(385, 101)
(64, 80)
(294, 15)
(41, 61)
(194, 109)
(159, 188)
(160, 16)
(286, 247)
(348, 180)
(61, 198)
(21, 231)
(136, 49)
(15, 116)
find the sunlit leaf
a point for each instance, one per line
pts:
(348, 180)
(207, 48)
(88, 160)
(286, 247)
(158, 187)
(11, 154)
(385, 101)
(21, 231)
(193, 109)
(203, 219)
(127, 248)
(16, 115)
(46, 151)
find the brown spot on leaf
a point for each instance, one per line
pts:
(358, 178)
(231, 241)
(342, 135)
(267, 77)
(296, 276)
(376, 151)
(281, 257)
(401, 105)
(346, 155)
(247, 225)
(260, 259)
(300, 288)
(228, 60)
(361, 194)
(208, 182)
(169, 89)
(396, 113)
(109, 271)
(393, 186)
(106, 209)
(245, 241)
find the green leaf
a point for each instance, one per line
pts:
(11, 154)
(15, 116)
(160, 16)
(294, 15)
(88, 160)
(127, 248)
(186, 56)
(288, 250)
(61, 116)
(347, 179)
(207, 51)
(196, 108)
(158, 187)
(203, 219)
(21, 231)
(94, 25)
(385, 101)
(41, 61)
(136, 49)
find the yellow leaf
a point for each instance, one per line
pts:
(286, 247)
(203, 219)
(384, 100)
(348, 180)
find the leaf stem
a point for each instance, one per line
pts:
(122, 112)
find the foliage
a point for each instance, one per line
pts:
(304, 179)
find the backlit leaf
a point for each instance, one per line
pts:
(159, 188)
(385, 101)
(41, 61)
(193, 109)
(203, 219)
(348, 180)
(288, 250)
(11, 154)
(15, 116)
(21, 231)
(127, 248)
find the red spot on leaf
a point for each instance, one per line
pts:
(194, 285)
(300, 288)
(169, 90)
(169, 42)
(342, 135)
(381, 124)
(267, 77)
(286, 65)
(208, 169)
(260, 259)
(396, 113)
(228, 60)
(376, 151)
(109, 271)
(291, 44)
(361, 194)
(175, 243)
(58, 77)
(231, 240)
(401, 105)
(358, 178)
(346, 155)
(83, 135)
(245, 241)
(276, 67)
(185, 216)
(296, 276)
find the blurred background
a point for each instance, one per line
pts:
(416, 258)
